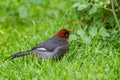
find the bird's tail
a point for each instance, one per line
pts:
(19, 54)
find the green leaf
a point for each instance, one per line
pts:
(93, 10)
(81, 32)
(93, 31)
(75, 5)
(86, 39)
(82, 6)
(23, 12)
(103, 32)
(73, 37)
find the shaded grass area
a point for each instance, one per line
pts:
(100, 60)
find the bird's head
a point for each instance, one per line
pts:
(64, 33)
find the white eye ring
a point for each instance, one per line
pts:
(66, 35)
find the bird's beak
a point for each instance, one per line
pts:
(70, 31)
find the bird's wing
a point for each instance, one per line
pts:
(51, 44)
(58, 52)
(43, 53)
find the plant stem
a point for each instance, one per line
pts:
(114, 14)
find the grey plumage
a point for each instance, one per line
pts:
(53, 48)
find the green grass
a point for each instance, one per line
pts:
(98, 61)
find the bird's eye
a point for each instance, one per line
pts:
(66, 35)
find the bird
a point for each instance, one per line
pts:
(53, 48)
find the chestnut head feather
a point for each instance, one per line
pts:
(64, 33)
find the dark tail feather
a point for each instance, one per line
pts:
(19, 54)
